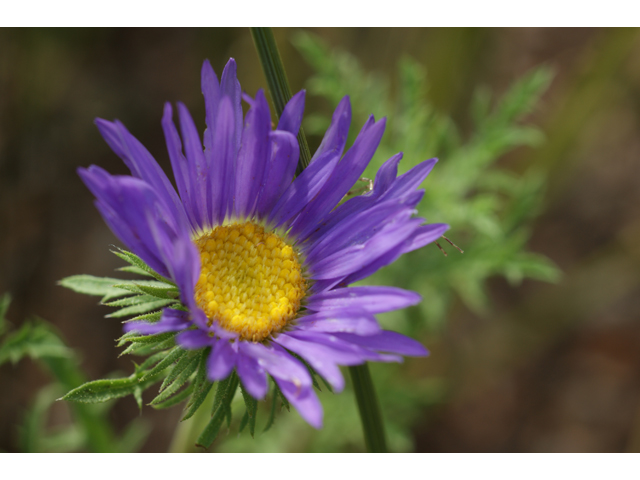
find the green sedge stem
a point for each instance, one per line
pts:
(369, 409)
(278, 85)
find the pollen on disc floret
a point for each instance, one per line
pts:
(250, 281)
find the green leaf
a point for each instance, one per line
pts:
(186, 366)
(136, 337)
(252, 409)
(141, 308)
(274, 401)
(174, 400)
(221, 409)
(35, 339)
(244, 421)
(202, 387)
(104, 390)
(173, 356)
(157, 290)
(90, 285)
(136, 261)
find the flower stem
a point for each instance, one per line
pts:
(278, 84)
(369, 409)
(281, 93)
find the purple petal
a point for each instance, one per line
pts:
(253, 156)
(126, 204)
(230, 87)
(222, 167)
(355, 257)
(356, 229)
(335, 137)
(142, 165)
(221, 361)
(343, 178)
(198, 170)
(410, 180)
(303, 189)
(292, 114)
(178, 163)
(346, 319)
(425, 235)
(194, 339)
(304, 400)
(279, 172)
(387, 341)
(342, 352)
(170, 321)
(211, 92)
(253, 376)
(384, 178)
(318, 356)
(375, 299)
(278, 363)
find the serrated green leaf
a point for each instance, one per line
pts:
(252, 409)
(142, 308)
(90, 285)
(136, 261)
(150, 317)
(285, 402)
(221, 409)
(202, 387)
(132, 300)
(159, 291)
(244, 422)
(272, 414)
(99, 391)
(173, 356)
(136, 337)
(174, 400)
(188, 363)
(135, 270)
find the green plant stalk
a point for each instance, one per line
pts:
(281, 93)
(278, 85)
(369, 409)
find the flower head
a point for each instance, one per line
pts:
(263, 260)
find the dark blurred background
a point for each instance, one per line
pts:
(550, 368)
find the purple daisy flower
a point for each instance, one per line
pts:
(262, 259)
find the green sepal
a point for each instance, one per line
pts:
(136, 261)
(173, 356)
(152, 317)
(252, 409)
(244, 422)
(90, 285)
(99, 391)
(137, 338)
(202, 387)
(158, 291)
(285, 402)
(274, 401)
(134, 270)
(188, 363)
(174, 400)
(221, 409)
(141, 308)
(144, 348)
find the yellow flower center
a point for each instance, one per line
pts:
(250, 282)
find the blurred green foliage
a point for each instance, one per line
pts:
(90, 429)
